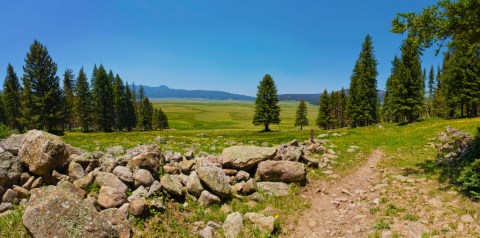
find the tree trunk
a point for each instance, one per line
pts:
(266, 127)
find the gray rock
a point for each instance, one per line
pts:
(119, 221)
(189, 155)
(37, 183)
(213, 177)
(83, 183)
(75, 171)
(124, 174)
(186, 166)
(110, 180)
(109, 197)
(237, 188)
(265, 224)
(74, 217)
(5, 206)
(140, 192)
(207, 232)
(242, 176)
(171, 184)
(9, 196)
(150, 159)
(143, 177)
(276, 189)
(12, 144)
(42, 152)
(137, 207)
(245, 157)
(108, 163)
(207, 199)
(250, 186)
(176, 157)
(282, 171)
(28, 185)
(233, 225)
(10, 169)
(155, 188)
(21, 192)
(291, 153)
(194, 186)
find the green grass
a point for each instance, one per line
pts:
(11, 224)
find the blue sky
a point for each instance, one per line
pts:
(306, 46)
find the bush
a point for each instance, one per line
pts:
(5, 131)
(470, 179)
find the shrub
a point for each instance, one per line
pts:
(5, 131)
(470, 179)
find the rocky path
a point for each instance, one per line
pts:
(340, 208)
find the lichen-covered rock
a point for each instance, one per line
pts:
(143, 177)
(213, 177)
(108, 163)
(54, 211)
(115, 150)
(75, 171)
(140, 192)
(242, 176)
(12, 144)
(250, 186)
(109, 197)
(171, 184)
(282, 171)
(233, 225)
(149, 159)
(290, 153)
(207, 199)
(119, 221)
(245, 157)
(194, 186)
(42, 151)
(110, 180)
(186, 166)
(10, 169)
(276, 189)
(265, 224)
(124, 174)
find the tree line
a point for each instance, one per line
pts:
(105, 103)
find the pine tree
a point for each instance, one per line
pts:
(431, 93)
(409, 96)
(267, 110)
(362, 103)
(103, 100)
(342, 120)
(390, 103)
(83, 102)
(131, 115)
(323, 118)
(146, 114)
(334, 110)
(40, 73)
(28, 118)
(11, 98)
(439, 102)
(3, 113)
(119, 103)
(301, 115)
(68, 93)
(160, 119)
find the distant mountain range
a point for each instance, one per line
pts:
(166, 92)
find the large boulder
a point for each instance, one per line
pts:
(42, 152)
(149, 158)
(213, 177)
(275, 189)
(10, 169)
(245, 157)
(194, 186)
(56, 211)
(143, 177)
(282, 171)
(124, 174)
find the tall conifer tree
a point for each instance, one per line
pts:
(68, 93)
(12, 97)
(83, 102)
(267, 110)
(103, 100)
(119, 103)
(323, 118)
(301, 115)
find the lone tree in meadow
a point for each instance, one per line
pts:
(267, 110)
(301, 115)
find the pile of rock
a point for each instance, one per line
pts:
(86, 192)
(452, 145)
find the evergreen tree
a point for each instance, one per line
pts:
(28, 118)
(119, 103)
(131, 115)
(160, 119)
(362, 103)
(40, 73)
(146, 115)
(431, 93)
(103, 100)
(3, 113)
(342, 107)
(409, 95)
(267, 110)
(440, 102)
(68, 93)
(301, 115)
(334, 111)
(390, 103)
(323, 118)
(83, 102)
(11, 98)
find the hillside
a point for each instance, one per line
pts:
(166, 92)
(315, 97)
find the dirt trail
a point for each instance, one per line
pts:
(340, 208)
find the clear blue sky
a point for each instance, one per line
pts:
(306, 46)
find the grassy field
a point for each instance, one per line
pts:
(212, 126)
